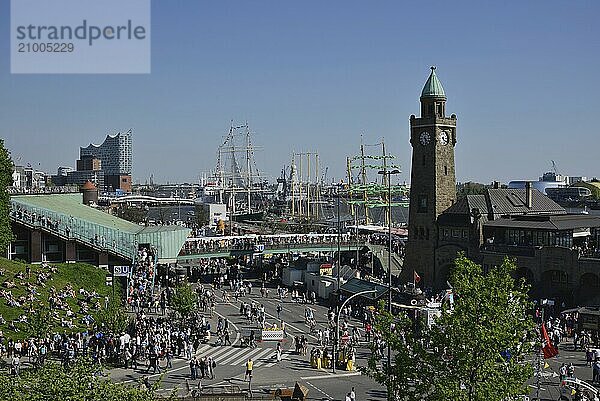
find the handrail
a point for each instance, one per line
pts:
(90, 238)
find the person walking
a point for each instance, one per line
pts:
(278, 352)
(169, 357)
(193, 369)
(562, 371)
(249, 365)
(571, 370)
(352, 394)
(15, 365)
(211, 365)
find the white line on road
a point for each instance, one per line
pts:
(225, 354)
(283, 356)
(319, 390)
(329, 375)
(242, 356)
(262, 355)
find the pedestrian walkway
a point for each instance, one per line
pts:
(234, 356)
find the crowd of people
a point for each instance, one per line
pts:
(215, 244)
(72, 227)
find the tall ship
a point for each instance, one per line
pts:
(236, 179)
(370, 188)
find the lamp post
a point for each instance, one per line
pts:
(339, 265)
(337, 324)
(387, 174)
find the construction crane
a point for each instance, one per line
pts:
(554, 168)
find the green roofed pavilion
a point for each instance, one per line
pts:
(71, 218)
(433, 86)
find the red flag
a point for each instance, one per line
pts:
(548, 348)
(416, 277)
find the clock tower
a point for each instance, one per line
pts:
(432, 182)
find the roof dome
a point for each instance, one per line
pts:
(433, 86)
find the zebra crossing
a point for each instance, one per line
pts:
(235, 356)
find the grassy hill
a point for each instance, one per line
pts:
(32, 295)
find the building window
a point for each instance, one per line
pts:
(558, 278)
(423, 160)
(422, 204)
(455, 233)
(427, 234)
(445, 170)
(464, 234)
(430, 109)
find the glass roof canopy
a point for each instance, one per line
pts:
(65, 215)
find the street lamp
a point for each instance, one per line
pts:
(339, 265)
(388, 174)
(337, 324)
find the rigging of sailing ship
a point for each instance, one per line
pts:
(237, 179)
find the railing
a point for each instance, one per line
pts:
(198, 246)
(44, 190)
(92, 235)
(528, 251)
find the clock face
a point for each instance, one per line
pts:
(444, 138)
(425, 138)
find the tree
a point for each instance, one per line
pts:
(184, 300)
(114, 318)
(475, 351)
(132, 213)
(470, 188)
(80, 382)
(6, 171)
(39, 322)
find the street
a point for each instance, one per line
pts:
(268, 374)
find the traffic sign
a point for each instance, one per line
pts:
(121, 271)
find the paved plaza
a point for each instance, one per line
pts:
(268, 373)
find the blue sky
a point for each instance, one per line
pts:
(314, 75)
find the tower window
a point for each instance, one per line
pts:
(440, 109)
(423, 160)
(445, 170)
(430, 110)
(422, 204)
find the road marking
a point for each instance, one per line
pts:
(534, 386)
(225, 355)
(319, 390)
(214, 354)
(243, 356)
(283, 356)
(329, 375)
(262, 355)
(204, 348)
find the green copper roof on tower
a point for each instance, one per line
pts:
(433, 86)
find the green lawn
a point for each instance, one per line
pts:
(78, 275)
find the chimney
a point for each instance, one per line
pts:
(528, 195)
(496, 185)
